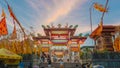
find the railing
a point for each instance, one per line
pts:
(107, 63)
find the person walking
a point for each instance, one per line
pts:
(61, 63)
(30, 65)
(21, 64)
(49, 61)
(76, 66)
(2, 64)
(42, 58)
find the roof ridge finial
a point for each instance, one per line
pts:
(59, 25)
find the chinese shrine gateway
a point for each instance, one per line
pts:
(60, 41)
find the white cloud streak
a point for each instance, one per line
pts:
(53, 10)
(62, 9)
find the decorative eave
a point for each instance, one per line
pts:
(41, 37)
(94, 33)
(58, 28)
(77, 37)
(47, 30)
(106, 28)
(59, 44)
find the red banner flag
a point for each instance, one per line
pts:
(14, 17)
(3, 27)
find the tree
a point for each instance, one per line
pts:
(70, 26)
(59, 25)
(86, 54)
(86, 35)
(48, 26)
(80, 35)
(75, 26)
(43, 26)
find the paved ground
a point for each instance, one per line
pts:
(57, 65)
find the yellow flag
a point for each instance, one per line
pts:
(100, 7)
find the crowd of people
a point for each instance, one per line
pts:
(2, 64)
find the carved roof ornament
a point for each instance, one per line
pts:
(70, 26)
(43, 26)
(66, 25)
(48, 26)
(75, 26)
(59, 25)
(52, 25)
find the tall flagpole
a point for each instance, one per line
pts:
(104, 12)
(9, 8)
(90, 10)
(91, 26)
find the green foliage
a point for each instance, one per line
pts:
(80, 35)
(86, 54)
(59, 25)
(81, 55)
(70, 26)
(106, 55)
(43, 26)
(75, 26)
(86, 35)
(48, 26)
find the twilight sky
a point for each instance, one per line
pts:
(46, 12)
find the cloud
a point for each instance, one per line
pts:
(52, 11)
(116, 23)
(58, 9)
(62, 9)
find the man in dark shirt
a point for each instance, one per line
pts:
(2, 64)
(49, 61)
